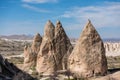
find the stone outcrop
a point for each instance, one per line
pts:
(9, 71)
(31, 52)
(88, 56)
(62, 47)
(45, 59)
(112, 48)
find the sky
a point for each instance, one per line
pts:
(30, 16)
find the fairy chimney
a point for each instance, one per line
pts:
(88, 56)
(45, 59)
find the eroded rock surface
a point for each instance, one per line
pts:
(45, 59)
(62, 47)
(88, 56)
(54, 50)
(31, 52)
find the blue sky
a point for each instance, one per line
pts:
(30, 16)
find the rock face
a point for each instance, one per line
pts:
(62, 47)
(112, 48)
(9, 71)
(30, 53)
(88, 56)
(45, 59)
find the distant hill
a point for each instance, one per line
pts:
(111, 40)
(18, 37)
(30, 37)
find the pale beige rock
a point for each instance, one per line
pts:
(36, 43)
(30, 53)
(54, 50)
(88, 56)
(62, 47)
(112, 48)
(116, 75)
(45, 58)
(113, 76)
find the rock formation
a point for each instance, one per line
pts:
(30, 53)
(112, 48)
(62, 48)
(45, 59)
(36, 43)
(54, 50)
(9, 71)
(88, 56)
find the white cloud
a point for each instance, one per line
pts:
(106, 15)
(39, 1)
(35, 8)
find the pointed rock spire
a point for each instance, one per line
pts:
(37, 38)
(59, 28)
(88, 56)
(49, 30)
(62, 48)
(36, 43)
(31, 52)
(45, 58)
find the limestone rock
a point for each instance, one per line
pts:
(88, 56)
(31, 52)
(62, 47)
(45, 58)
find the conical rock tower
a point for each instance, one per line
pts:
(31, 52)
(62, 47)
(88, 56)
(45, 59)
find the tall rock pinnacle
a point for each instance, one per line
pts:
(36, 43)
(49, 30)
(30, 53)
(88, 56)
(45, 58)
(62, 48)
